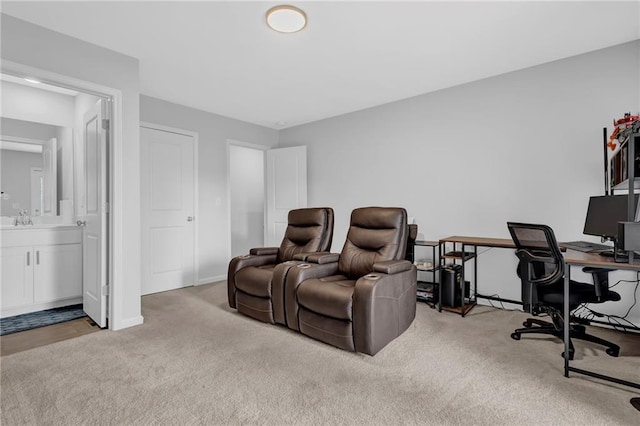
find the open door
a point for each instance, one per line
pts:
(94, 263)
(286, 182)
(50, 178)
(37, 180)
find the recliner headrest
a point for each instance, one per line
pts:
(309, 230)
(376, 234)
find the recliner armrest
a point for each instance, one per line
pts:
(322, 257)
(317, 257)
(383, 307)
(261, 251)
(392, 266)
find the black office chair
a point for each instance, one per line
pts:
(541, 269)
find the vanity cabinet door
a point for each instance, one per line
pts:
(57, 272)
(16, 264)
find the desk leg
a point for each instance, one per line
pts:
(566, 317)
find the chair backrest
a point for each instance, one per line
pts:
(309, 230)
(375, 234)
(534, 242)
(411, 243)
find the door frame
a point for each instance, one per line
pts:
(264, 148)
(32, 171)
(196, 197)
(115, 157)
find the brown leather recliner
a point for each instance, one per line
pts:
(255, 281)
(363, 298)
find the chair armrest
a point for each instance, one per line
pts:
(593, 270)
(392, 266)
(322, 258)
(528, 257)
(600, 278)
(261, 251)
(240, 262)
(295, 276)
(384, 305)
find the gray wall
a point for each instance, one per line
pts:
(27, 129)
(524, 146)
(43, 49)
(213, 132)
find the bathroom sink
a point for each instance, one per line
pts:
(36, 226)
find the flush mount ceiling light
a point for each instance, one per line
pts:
(286, 19)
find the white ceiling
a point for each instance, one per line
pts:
(222, 58)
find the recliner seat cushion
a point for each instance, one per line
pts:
(331, 296)
(255, 280)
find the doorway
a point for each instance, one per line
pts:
(70, 182)
(264, 184)
(246, 196)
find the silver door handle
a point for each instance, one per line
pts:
(81, 222)
(28, 258)
(38, 257)
(190, 219)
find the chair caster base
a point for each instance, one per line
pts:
(570, 355)
(515, 336)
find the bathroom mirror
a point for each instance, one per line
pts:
(35, 159)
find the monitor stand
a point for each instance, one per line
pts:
(618, 255)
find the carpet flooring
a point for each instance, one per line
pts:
(38, 319)
(196, 361)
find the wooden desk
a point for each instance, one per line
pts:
(576, 258)
(475, 242)
(481, 241)
(571, 258)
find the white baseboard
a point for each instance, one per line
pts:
(127, 322)
(210, 280)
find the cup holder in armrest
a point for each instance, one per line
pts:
(372, 276)
(245, 256)
(304, 266)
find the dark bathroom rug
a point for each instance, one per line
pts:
(32, 320)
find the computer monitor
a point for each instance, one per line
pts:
(604, 213)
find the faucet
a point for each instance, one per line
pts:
(23, 218)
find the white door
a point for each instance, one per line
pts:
(286, 181)
(168, 210)
(94, 236)
(50, 178)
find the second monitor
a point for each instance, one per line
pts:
(604, 213)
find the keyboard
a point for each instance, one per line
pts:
(586, 246)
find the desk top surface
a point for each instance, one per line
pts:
(571, 257)
(481, 241)
(574, 257)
